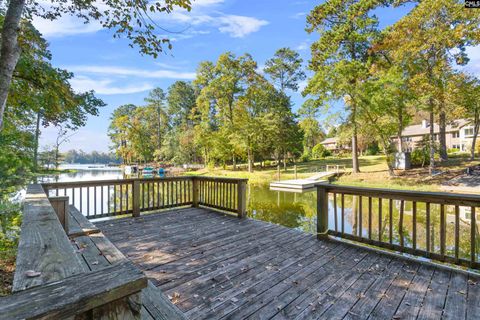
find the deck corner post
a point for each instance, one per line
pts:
(322, 211)
(60, 206)
(242, 199)
(195, 194)
(136, 198)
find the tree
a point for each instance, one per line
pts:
(222, 85)
(340, 56)
(62, 136)
(130, 19)
(119, 132)
(285, 69)
(156, 104)
(312, 132)
(438, 33)
(464, 95)
(181, 102)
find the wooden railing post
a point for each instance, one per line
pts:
(60, 205)
(196, 190)
(242, 199)
(136, 198)
(322, 212)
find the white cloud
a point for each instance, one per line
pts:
(64, 26)
(206, 3)
(236, 26)
(303, 46)
(299, 15)
(106, 86)
(132, 72)
(240, 26)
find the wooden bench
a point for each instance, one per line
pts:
(79, 276)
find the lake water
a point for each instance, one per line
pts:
(298, 210)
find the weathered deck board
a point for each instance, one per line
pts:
(214, 266)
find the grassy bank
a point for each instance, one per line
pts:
(374, 173)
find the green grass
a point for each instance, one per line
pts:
(374, 173)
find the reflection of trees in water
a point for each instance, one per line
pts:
(352, 218)
(284, 208)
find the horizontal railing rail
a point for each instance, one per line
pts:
(435, 225)
(104, 198)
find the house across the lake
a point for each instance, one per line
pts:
(459, 135)
(333, 145)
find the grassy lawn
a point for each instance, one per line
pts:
(374, 173)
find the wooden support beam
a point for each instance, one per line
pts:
(196, 194)
(322, 212)
(136, 198)
(242, 199)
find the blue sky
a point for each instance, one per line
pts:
(120, 75)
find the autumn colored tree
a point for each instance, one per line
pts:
(438, 33)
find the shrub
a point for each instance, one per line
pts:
(420, 157)
(305, 157)
(372, 149)
(267, 163)
(319, 151)
(453, 150)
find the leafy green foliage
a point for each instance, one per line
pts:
(320, 152)
(285, 69)
(229, 113)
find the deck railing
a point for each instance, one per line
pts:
(104, 198)
(439, 226)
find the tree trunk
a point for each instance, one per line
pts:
(443, 136)
(35, 150)
(234, 163)
(9, 51)
(355, 166)
(476, 129)
(432, 139)
(284, 161)
(250, 160)
(400, 129)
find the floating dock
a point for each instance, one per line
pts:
(301, 184)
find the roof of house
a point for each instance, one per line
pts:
(329, 141)
(418, 129)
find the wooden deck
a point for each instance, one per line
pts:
(214, 266)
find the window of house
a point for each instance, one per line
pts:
(407, 139)
(435, 137)
(469, 132)
(456, 134)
